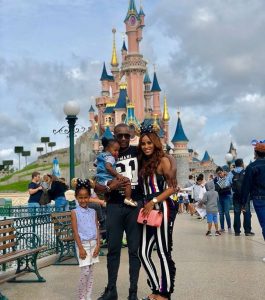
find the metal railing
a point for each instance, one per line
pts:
(36, 220)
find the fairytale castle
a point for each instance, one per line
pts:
(129, 96)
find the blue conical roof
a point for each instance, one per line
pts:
(155, 87)
(121, 102)
(206, 157)
(131, 10)
(141, 12)
(147, 78)
(179, 135)
(91, 109)
(124, 46)
(104, 75)
(96, 137)
(107, 134)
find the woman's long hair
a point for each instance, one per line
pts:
(149, 164)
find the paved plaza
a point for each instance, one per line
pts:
(225, 267)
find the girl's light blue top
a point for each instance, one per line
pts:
(86, 223)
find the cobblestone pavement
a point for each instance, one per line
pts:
(225, 267)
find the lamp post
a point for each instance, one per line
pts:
(229, 158)
(71, 110)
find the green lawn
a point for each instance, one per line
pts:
(20, 186)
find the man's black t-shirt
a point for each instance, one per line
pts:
(34, 198)
(127, 166)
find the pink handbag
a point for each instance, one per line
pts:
(153, 219)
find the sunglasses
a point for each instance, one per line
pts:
(120, 136)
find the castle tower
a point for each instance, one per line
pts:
(232, 150)
(206, 159)
(166, 119)
(109, 115)
(120, 107)
(123, 51)
(134, 66)
(115, 68)
(180, 142)
(147, 94)
(91, 116)
(156, 96)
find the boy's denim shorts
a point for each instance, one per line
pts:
(212, 218)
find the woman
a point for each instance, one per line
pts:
(153, 167)
(56, 192)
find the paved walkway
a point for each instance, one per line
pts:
(225, 267)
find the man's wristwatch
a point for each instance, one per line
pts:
(154, 200)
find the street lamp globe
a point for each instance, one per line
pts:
(71, 108)
(229, 157)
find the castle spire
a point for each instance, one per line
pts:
(166, 116)
(179, 135)
(114, 59)
(131, 10)
(104, 75)
(155, 87)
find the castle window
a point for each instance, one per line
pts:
(123, 117)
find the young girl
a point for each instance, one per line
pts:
(106, 168)
(86, 235)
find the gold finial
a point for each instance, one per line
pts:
(114, 59)
(155, 123)
(166, 116)
(96, 127)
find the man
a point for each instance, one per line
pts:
(121, 217)
(254, 185)
(235, 180)
(35, 192)
(224, 202)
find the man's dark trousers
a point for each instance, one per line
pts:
(246, 215)
(120, 218)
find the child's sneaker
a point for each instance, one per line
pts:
(130, 202)
(208, 233)
(217, 233)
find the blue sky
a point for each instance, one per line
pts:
(209, 56)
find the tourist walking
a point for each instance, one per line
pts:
(210, 199)
(189, 184)
(35, 192)
(153, 165)
(235, 181)
(224, 203)
(254, 185)
(86, 234)
(121, 217)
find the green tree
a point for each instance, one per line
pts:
(40, 150)
(18, 150)
(2, 167)
(26, 154)
(51, 145)
(45, 140)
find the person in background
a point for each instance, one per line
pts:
(254, 185)
(35, 192)
(224, 202)
(235, 181)
(210, 198)
(190, 183)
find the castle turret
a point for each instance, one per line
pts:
(124, 50)
(96, 143)
(120, 107)
(232, 150)
(206, 159)
(147, 94)
(133, 65)
(180, 142)
(91, 113)
(166, 119)
(156, 96)
(104, 81)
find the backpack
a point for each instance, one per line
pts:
(237, 181)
